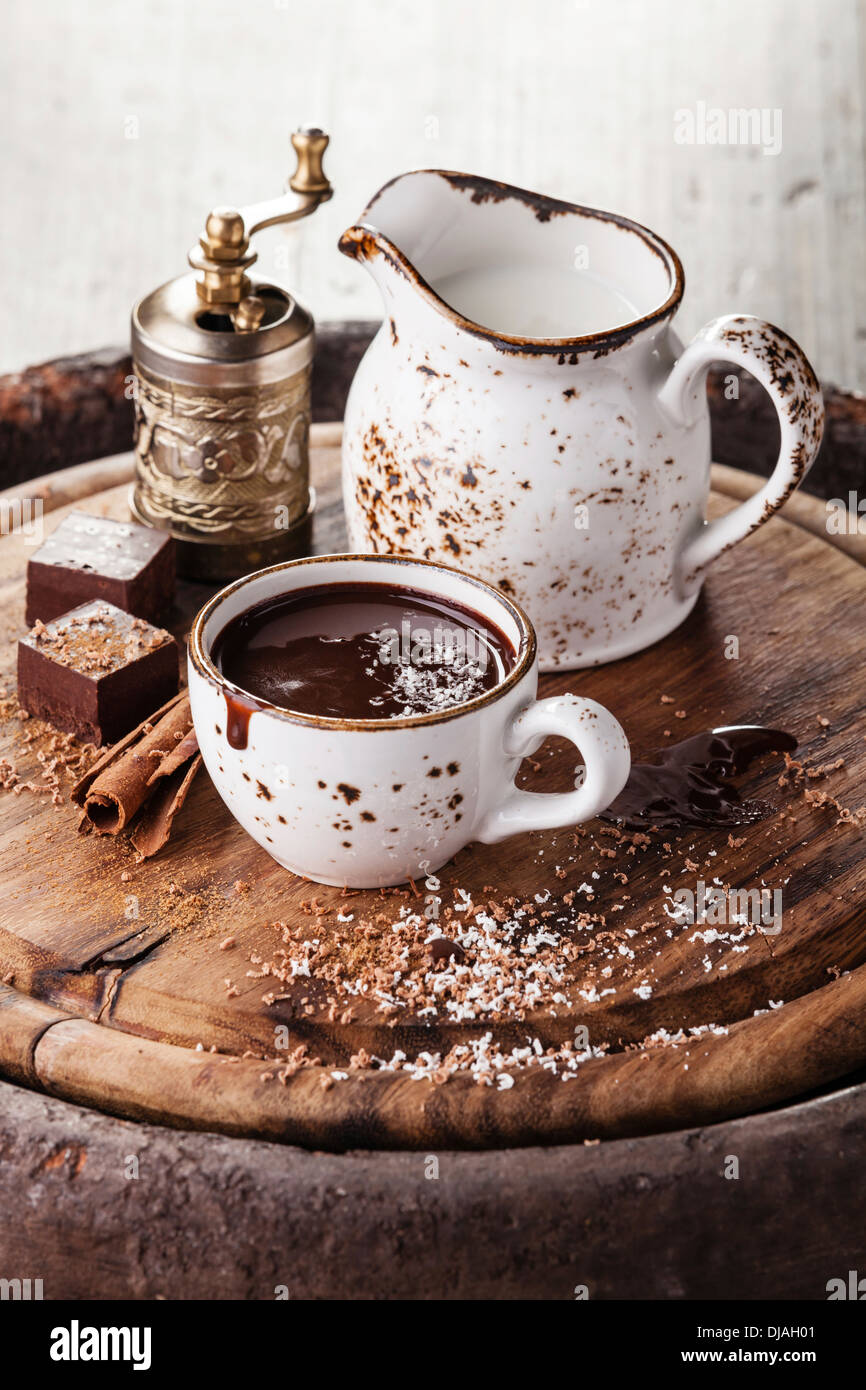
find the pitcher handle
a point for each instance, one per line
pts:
(599, 739)
(787, 376)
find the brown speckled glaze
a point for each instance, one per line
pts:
(366, 803)
(572, 472)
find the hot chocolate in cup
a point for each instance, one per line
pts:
(363, 717)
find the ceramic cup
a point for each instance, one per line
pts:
(527, 411)
(369, 803)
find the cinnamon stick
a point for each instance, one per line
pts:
(154, 823)
(153, 757)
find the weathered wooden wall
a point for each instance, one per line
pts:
(123, 125)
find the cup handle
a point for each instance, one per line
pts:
(786, 375)
(601, 743)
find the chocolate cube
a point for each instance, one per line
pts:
(96, 672)
(90, 557)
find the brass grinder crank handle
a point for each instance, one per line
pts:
(223, 255)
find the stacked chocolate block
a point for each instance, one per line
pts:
(94, 663)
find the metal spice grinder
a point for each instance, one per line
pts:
(222, 365)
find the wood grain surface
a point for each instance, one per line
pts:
(126, 957)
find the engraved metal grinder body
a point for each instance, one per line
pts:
(222, 365)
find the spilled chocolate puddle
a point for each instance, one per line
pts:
(690, 782)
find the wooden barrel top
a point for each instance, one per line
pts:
(115, 991)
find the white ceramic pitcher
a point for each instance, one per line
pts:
(527, 413)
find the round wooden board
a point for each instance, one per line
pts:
(114, 973)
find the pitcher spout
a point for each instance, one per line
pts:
(394, 231)
(529, 274)
(371, 248)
